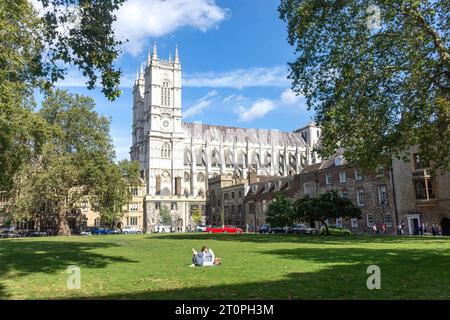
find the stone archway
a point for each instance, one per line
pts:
(445, 226)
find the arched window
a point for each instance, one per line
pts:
(165, 94)
(165, 151)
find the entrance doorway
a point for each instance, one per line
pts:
(445, 225)
(413, 224)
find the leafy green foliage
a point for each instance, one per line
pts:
(325, 206)
(280, 212)
(376, 89)
(113, 191)
(76, 162)
(197, 216)
(164, 215)
(35, 50)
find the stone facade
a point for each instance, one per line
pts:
(371, 191)
(421, 198)
(177, 158)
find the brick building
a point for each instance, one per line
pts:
(371, 191)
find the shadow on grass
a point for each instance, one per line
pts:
(342, 274)
(283, 238)
(19, 258)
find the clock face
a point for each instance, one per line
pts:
(165, 124)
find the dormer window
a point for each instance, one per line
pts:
(267, 186)
(338, 161)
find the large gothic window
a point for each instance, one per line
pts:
(165, 94)
(165, 151)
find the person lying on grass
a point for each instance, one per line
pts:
(204, 258)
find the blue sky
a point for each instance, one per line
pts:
(234, 57)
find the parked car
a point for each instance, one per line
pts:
(264, 228)
(224, 229)
(102, 231)
(131, 230)
(278, 229)
(9, 234)
(202, 228)
(85, 233)
(116, 231)
(300, 228)
(335, 231)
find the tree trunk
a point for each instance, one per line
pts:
(63, 225)
(327, 232)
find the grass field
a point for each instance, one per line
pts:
(254, 267)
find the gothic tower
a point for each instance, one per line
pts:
(157, 130)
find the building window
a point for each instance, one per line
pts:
(380, 172)
(358, 174)
(382, 195)
(173, 206)
(424, 189)
(165, 94)
(344, 194)
(338, 222)
(225, 196)
(157, 205)
(338, 161)
(342, 176)
(369, 220)
(134, 206)
(97, 222)
(328, 179)
(165, 151)
(388, 220)
(232, 195)
(133, 221)
(254, 187)
(354, 222)
(264, 206)
(360, 197)
(135, 192)
(240, 194)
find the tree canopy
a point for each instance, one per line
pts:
(377, 73)
(280, 212)
(76, 163)
(36, 48)
(325, 206)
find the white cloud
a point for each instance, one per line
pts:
(290, 97)
(137, 20)
(240, 78)
(258, 110)
(234, 97)
(201, 104)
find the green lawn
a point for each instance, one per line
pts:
(254, 267)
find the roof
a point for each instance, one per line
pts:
(242, 135)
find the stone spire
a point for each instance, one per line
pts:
(149, 57)
(177, 58)
(155, 54)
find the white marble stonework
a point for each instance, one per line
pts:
(168, 148)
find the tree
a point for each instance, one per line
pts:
(280, 212)
(377, 73)
(114, 191)
(74, 163)
(325, 206)
(164, 215)
(35, 51)
(197, 216)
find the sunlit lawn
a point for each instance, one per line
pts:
(254, 267)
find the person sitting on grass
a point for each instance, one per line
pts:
(204, 258)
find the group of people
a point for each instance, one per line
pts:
(422, 230)
(376, 231)
(205, 258)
